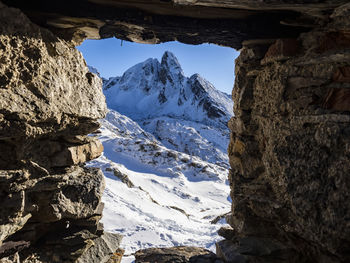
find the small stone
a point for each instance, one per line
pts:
(282, 49)
(117, 256)
(342, 75)
(103, 249)
(78, 154)
(227, 232)
(338, 99)
(226, 250)
(334, 41)
(181, 254)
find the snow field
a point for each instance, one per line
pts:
(170, 203)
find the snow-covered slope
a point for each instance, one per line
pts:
(193, 138)
(152, 89)
(131, 143)
(165, 162)
(156, 196)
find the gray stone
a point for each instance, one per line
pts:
(123, 177)
(102, 250)
(227, 251)
(45, 82)
(288, 148)
(227, 232)
(181, 254)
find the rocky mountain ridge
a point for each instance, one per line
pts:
(153, 89)
(173, 108)
(163, 160)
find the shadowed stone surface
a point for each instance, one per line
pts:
(289, 149)
(179, 254)
(221, 22)
(51, 207)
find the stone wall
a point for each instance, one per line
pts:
(50, 203)
(290, 141)
(290, 149)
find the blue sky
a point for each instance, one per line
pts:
(212, 62)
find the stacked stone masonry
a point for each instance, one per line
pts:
(50, 203)
(289, 149)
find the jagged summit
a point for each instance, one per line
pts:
(152, 89)
(167, 142)
(170, 59)
(170, 63)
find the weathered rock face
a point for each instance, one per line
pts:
(51, 206)
(179, 254)
(40, 74)
(289, 149)
(221, 22)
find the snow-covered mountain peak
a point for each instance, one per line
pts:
(171, 64)
(153, 89)
(138, 75)
(196, 76)
(164, 157)
(171, 73)
(200, 85)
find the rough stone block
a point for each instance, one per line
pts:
(77, 154)
(44, 80)
(227, 251)
(175, 254)
(342, 74)
(102, 250)
(227, 232)
(282, 49)
(338, 99)
(334, 41)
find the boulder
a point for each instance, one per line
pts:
(179, 254)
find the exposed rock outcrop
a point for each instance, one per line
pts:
(179, 254)
(51, 206)
(221, 22)
(289, 149)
